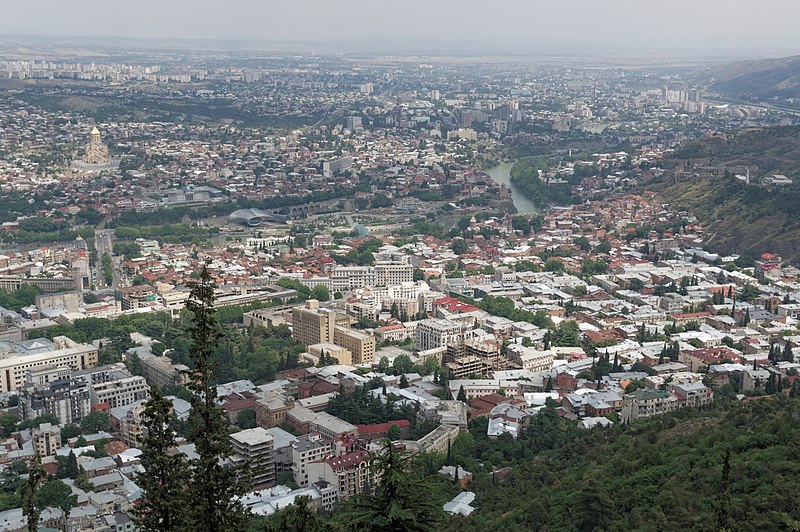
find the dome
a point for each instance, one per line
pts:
(254, 217)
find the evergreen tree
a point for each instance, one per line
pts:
(724, 497)
(401, 501)
(29, 491)
(788, 356)
(462, 395)
(165, 472)
(215, 487)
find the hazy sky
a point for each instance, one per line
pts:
(707, 25)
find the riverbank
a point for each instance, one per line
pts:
(501, 174)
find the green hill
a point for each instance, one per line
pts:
(768, 78)
(664, 474)
(738, 217)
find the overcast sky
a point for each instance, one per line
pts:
(669, 25)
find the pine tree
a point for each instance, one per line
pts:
(788, 355)
(724, 497)
(29, 491)
(165, 472)
(462, 395)
(215, 487)
(401, 501)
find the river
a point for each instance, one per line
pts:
(501, 174)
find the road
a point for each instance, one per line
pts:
(103, 244)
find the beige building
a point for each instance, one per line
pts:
(46, 439)
(120, 392)
(342, 355)
(313, 325)
(361, 345)
(254, 449)
(19, 357)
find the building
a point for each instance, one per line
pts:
(120, 392)
(135, 297)
(271, 409)
(531, 359)
(161, 371)
(351, 473)
(96, 152)
(313, 325)
(438, 333)
(361, 345)
(67, 399)
(16, 358)
(342, 355)
(647, 403)
(253, 448)
(46, 439)
(131, 428)
(308, 448)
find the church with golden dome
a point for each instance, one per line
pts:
(96, 157)
(96, 151)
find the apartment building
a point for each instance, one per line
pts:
(308, 448)
(120, 392)
(351, 473)
(254, 448)
(647, 403)
(46, 439)
(65, 398)
(438, 333)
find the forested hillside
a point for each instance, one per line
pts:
(738, 217)
(669, 473)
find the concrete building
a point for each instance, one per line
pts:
(313, 325)
(46, 439)
(254, 448)
(67, 399)
(361, 345)
(120, 392)
(16, 358)
(308, 448)
(351, 473)
(647, 403)
(161, 371)
(438, 333)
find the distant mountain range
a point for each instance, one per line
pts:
(768, 78)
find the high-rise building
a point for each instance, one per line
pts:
(313, 325)
(361, 345)
(255, 449)
(438, 333)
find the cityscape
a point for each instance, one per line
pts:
(254, 285)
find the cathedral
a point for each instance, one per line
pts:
(95, 159)
(96, 151)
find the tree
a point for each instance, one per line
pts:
(394, 433)
(402, 501)
(95, 422)
(68, 466)
(788, 355)
(321, 293)
(215, 487)
(404, 382)
(459, 246)
(30, 491)
(462, 395)
(165, 472)
(246, 418)
(70, 431)
(55, 494)
(297, 517)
